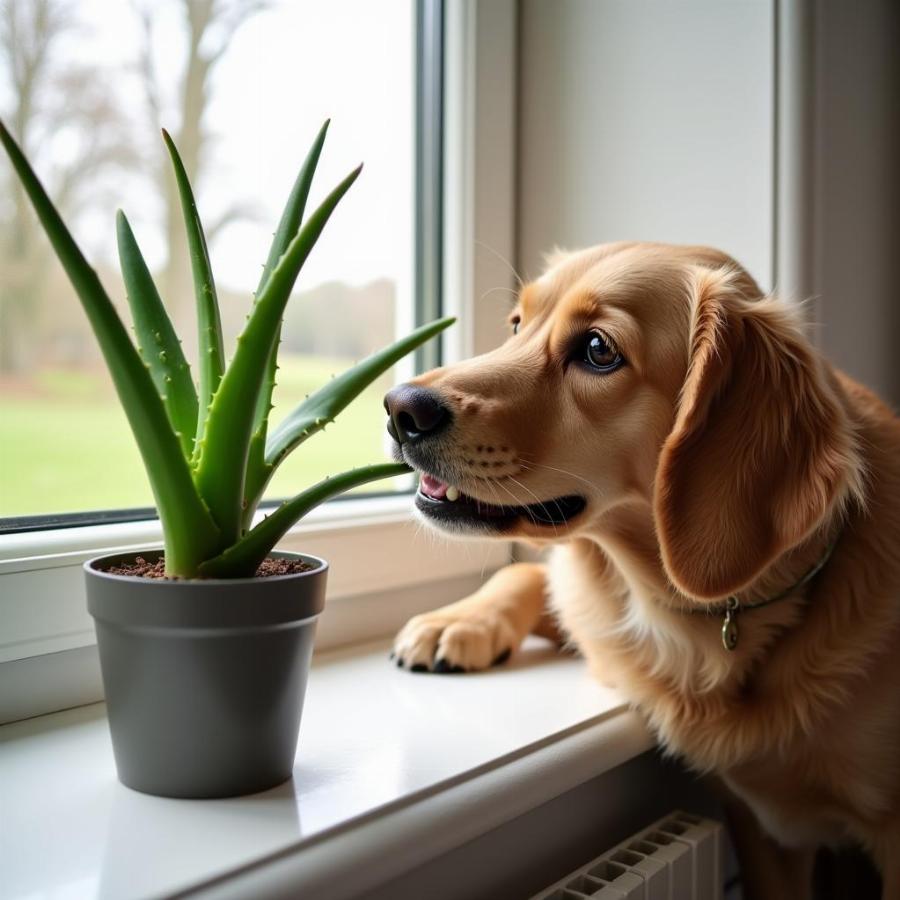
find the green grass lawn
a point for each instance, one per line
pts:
(67, 447)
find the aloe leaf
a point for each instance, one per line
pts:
(190, 533)
(243, 558)
(157, 340)
(221, 468)
(211, 359)
(288, 226)
(320, 408)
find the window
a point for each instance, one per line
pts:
(243, 88)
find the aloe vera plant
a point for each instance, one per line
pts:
(207, 449)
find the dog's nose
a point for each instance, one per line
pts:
(414, 412)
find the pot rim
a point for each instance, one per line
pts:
(219, 604)
(90, 568)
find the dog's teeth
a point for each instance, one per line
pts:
(452, 494)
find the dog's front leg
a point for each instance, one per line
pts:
(768, 870)
(481, 630)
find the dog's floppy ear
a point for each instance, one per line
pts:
(761, 449)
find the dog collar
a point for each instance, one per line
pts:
(732, 606)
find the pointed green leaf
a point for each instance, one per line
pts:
(289, 224)
(288, 227)
(242, 559)
(190, 534)
(322, 406)
(157, 340)
(221, 468)
(211, 359)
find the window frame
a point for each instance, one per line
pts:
(47, 644)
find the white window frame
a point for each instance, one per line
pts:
(47, 642)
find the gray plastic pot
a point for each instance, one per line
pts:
(204, 678)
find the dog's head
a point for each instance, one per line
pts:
(637, 374)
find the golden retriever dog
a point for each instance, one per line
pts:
(723, 508)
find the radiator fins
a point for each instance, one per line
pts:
(680, 857)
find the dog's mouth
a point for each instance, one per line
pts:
(446, 504)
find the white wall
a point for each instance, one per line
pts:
(646, 119)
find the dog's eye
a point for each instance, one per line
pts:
(601, 353)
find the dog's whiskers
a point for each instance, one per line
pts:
(490, 291)
(541, 503)
(504, 260)
(531, 465)
(517, 502)
(493, 485)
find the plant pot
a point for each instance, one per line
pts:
(204, 678)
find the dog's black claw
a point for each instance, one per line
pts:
(391, 655)
(399, 662)
(418, 667)
(502, 658)
(442, 667)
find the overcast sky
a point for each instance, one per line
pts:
(287, 70)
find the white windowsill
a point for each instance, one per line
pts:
(392, 769)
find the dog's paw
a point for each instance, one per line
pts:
(452, 641)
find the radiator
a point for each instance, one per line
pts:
(680, 857)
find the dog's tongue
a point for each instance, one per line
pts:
(432, 487)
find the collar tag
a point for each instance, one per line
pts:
(730, 632)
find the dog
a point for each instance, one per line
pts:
(723, 512)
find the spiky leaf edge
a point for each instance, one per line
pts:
(157, 339)
(211, 352)
(321, 407)
(221, 468)
(288, 226)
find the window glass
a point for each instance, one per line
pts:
(243, 88)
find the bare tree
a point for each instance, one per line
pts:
(211, 25)
(51, 97)
(47, 100)
(27, 36)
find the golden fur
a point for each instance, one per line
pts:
(723, 458)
